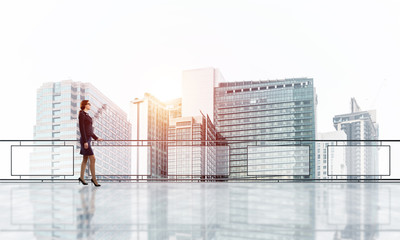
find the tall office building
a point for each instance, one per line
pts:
(253, 111)
(362, 162)
(198, 91)
(174, 108)
(336, 161)
(58, 105)
(197, 159)
(360, 125)
(150, 117)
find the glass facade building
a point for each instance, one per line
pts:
(252, 111)
(199, 158)
(174, 108)
(58, 105)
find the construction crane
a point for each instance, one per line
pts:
(377, 94)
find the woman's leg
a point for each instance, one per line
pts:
(83, 166)
(92, 167)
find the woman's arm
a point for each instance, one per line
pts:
(94, 136)
(82, 128)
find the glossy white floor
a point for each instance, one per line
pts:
(200, 211)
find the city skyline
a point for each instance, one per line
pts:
(245, 119)
(133, 52)
(192, 81)
(64, 90)
(174, 98)
(282, 103)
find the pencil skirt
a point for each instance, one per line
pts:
(89, 150)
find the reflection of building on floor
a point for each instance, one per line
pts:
(45, 214)
(106, 214)
(240, 212)
(360, 125)
(351, 211)
(86, 212)
(154, 211)
(361, 215)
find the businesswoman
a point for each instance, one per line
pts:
(86, 129)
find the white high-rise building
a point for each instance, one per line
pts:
(58, 105)
(336, 159)
(198, 91)
(360, 125)
(149, 117)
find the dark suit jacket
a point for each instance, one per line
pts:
(85, 127)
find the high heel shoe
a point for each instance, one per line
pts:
(84, 183)
(97, 185)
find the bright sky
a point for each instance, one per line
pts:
(126, 48)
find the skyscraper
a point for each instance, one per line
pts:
(336, 162)
(360, 125)
(197, 159)
(198, 91)
(150, 117)
(58, 105)
(268, 110)
(174, 108)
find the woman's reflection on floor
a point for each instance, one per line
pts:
(86, 212)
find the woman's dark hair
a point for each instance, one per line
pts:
(83, 104)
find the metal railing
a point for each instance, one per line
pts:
(253, 160)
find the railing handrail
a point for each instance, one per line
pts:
(188, 140)
(147, 142)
